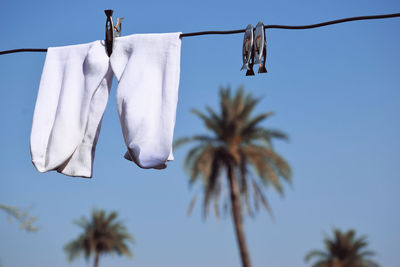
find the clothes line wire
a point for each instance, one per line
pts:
(301, 27)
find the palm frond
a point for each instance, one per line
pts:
(216, 207)
(22, 216)
(316, 254)
(82, 222)
(184, 140)
(123, 249)
(249, 104)
(73, 249)
(243, 187)
(194, 161)
(208, 122)
(191, 205)
(262, 161)
(280, 165)
(211, 182)
(254, 121)
(192, 156)
(367, 254)
(225, 103)
(273, 133)
(214, 116)
(360, 243)
(369, 263)
(322, 263)
(110, 218)
(238, 103)
(201, 164)
(265, 135)
(260, 197)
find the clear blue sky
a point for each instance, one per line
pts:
(335, 91)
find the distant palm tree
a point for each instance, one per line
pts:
(26, 221)
(344, 250)
(237, 149)
(102, 235)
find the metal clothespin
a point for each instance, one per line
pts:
(248, 51)
(260, 48)
(111, 30)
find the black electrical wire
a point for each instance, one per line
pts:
(301, 27)
(23, 50)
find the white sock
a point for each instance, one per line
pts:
(72, 96)
(147, 68)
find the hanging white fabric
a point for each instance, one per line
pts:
(73, 94)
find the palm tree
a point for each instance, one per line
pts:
(237, 159)
(102, 235)
(26, 221)
(344, 250)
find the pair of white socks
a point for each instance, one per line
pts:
(73, 94)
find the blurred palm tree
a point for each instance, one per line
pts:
(26, 221)
(344, 250)
(102, 235)
(236, 160)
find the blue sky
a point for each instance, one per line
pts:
(335, 91)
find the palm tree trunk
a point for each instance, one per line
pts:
(237, 217)
(96, 259)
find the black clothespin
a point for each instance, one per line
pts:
(248, 51)
(109, 31)
(260, 48)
